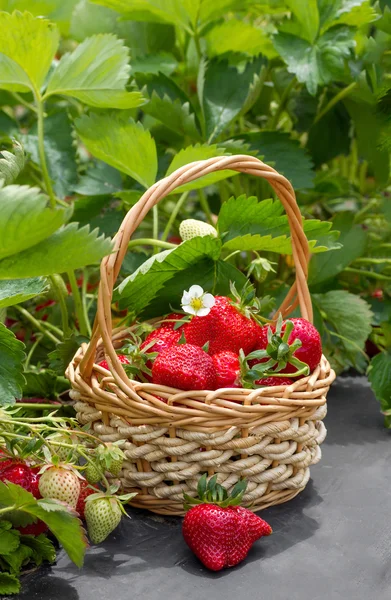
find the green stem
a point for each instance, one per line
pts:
(197, 43)
(84, 302)
(78, 304)
(36, 323)
(63, 307)
(8, 509)
(150, 242)
(31, 352)
(174, 214)
(33, 406)
(370, 274)
(24, 102)
(41, 150)
(155, 225)
(374, 261)
(205, 206)
(232, 254)
(342, 94)
(54, 328)
(283, 102)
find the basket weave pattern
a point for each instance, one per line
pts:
(270, 436)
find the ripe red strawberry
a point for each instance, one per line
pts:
(225, 328)
(310, 351)
(171, 320)
(61, 484)
(186, 367)
(122, 359)
(220, 533)
(227, 367)
(34, 528)
(162, 338)
(274, 381)
(85, 491)
(17, 473)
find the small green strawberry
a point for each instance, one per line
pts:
(191, 228)
(103, 514)
(64, 454)
(93, 474)
(60, 483)
(111, 458)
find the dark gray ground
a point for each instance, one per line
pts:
(332, 542)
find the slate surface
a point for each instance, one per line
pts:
(332, 542)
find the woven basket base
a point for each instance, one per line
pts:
(163, 507)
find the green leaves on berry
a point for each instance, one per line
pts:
(211, 492)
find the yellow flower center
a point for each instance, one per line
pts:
(196, 303)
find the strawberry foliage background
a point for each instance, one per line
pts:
(104, 97)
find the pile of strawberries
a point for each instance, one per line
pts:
(227, 348)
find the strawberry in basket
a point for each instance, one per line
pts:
(293, 346)
(217, 529)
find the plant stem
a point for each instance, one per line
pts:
(155, 225)
(205, 206)
(24, 102)
(197, 44)
(150, 242)
(33, 406)
(8, 509)
(78, 304)
(342, 94)
(84, 302)
(31, 352)
(54, 328)
(370, 274)
(282, 105)
(373, 261)
(41, 150)
(174, 214)
(63, 307)
(37, 324)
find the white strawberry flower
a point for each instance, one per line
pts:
(197, 302)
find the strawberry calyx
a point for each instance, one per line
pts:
(247, 302)
(278, 354)
(211, 492)
(139, 358)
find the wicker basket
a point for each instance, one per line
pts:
(270, 436)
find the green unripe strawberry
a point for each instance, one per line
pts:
(102, 515)
(116, 466)
(191, 228)
(92, 473)
(61, 484)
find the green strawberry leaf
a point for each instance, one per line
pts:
(174, 115)
(348, 12)
(246, 224)
(44, 384)
(320, 63)
(225, 93)
(26, 220)
(278, 149)
(59, 150)
(42, 548)
(62, 523)
(99, 180)
(12, 356)
(353, 239)
(9, 541)
(379, 375)
(96, 73)
(18, 557)
(161, 62)
(9, 584)
(307, 16)
(15, 291)
(344, 336)
(63, 354)
(68, 248)
(238, 36)
(140, 288)
(11, 164)
(121, 143)
(21, 68)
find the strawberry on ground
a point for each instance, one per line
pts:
(219, 532)
(122, 359)
(225, 328)
(186, 367)
(227, 367)
(60, 483)
(85, 491)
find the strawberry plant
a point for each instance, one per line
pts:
(100, 98)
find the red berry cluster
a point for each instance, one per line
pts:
(209, 357)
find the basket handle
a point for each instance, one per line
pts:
(111, 264)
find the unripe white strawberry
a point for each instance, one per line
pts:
(102, 515)
(61, 484)
(191, 228)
